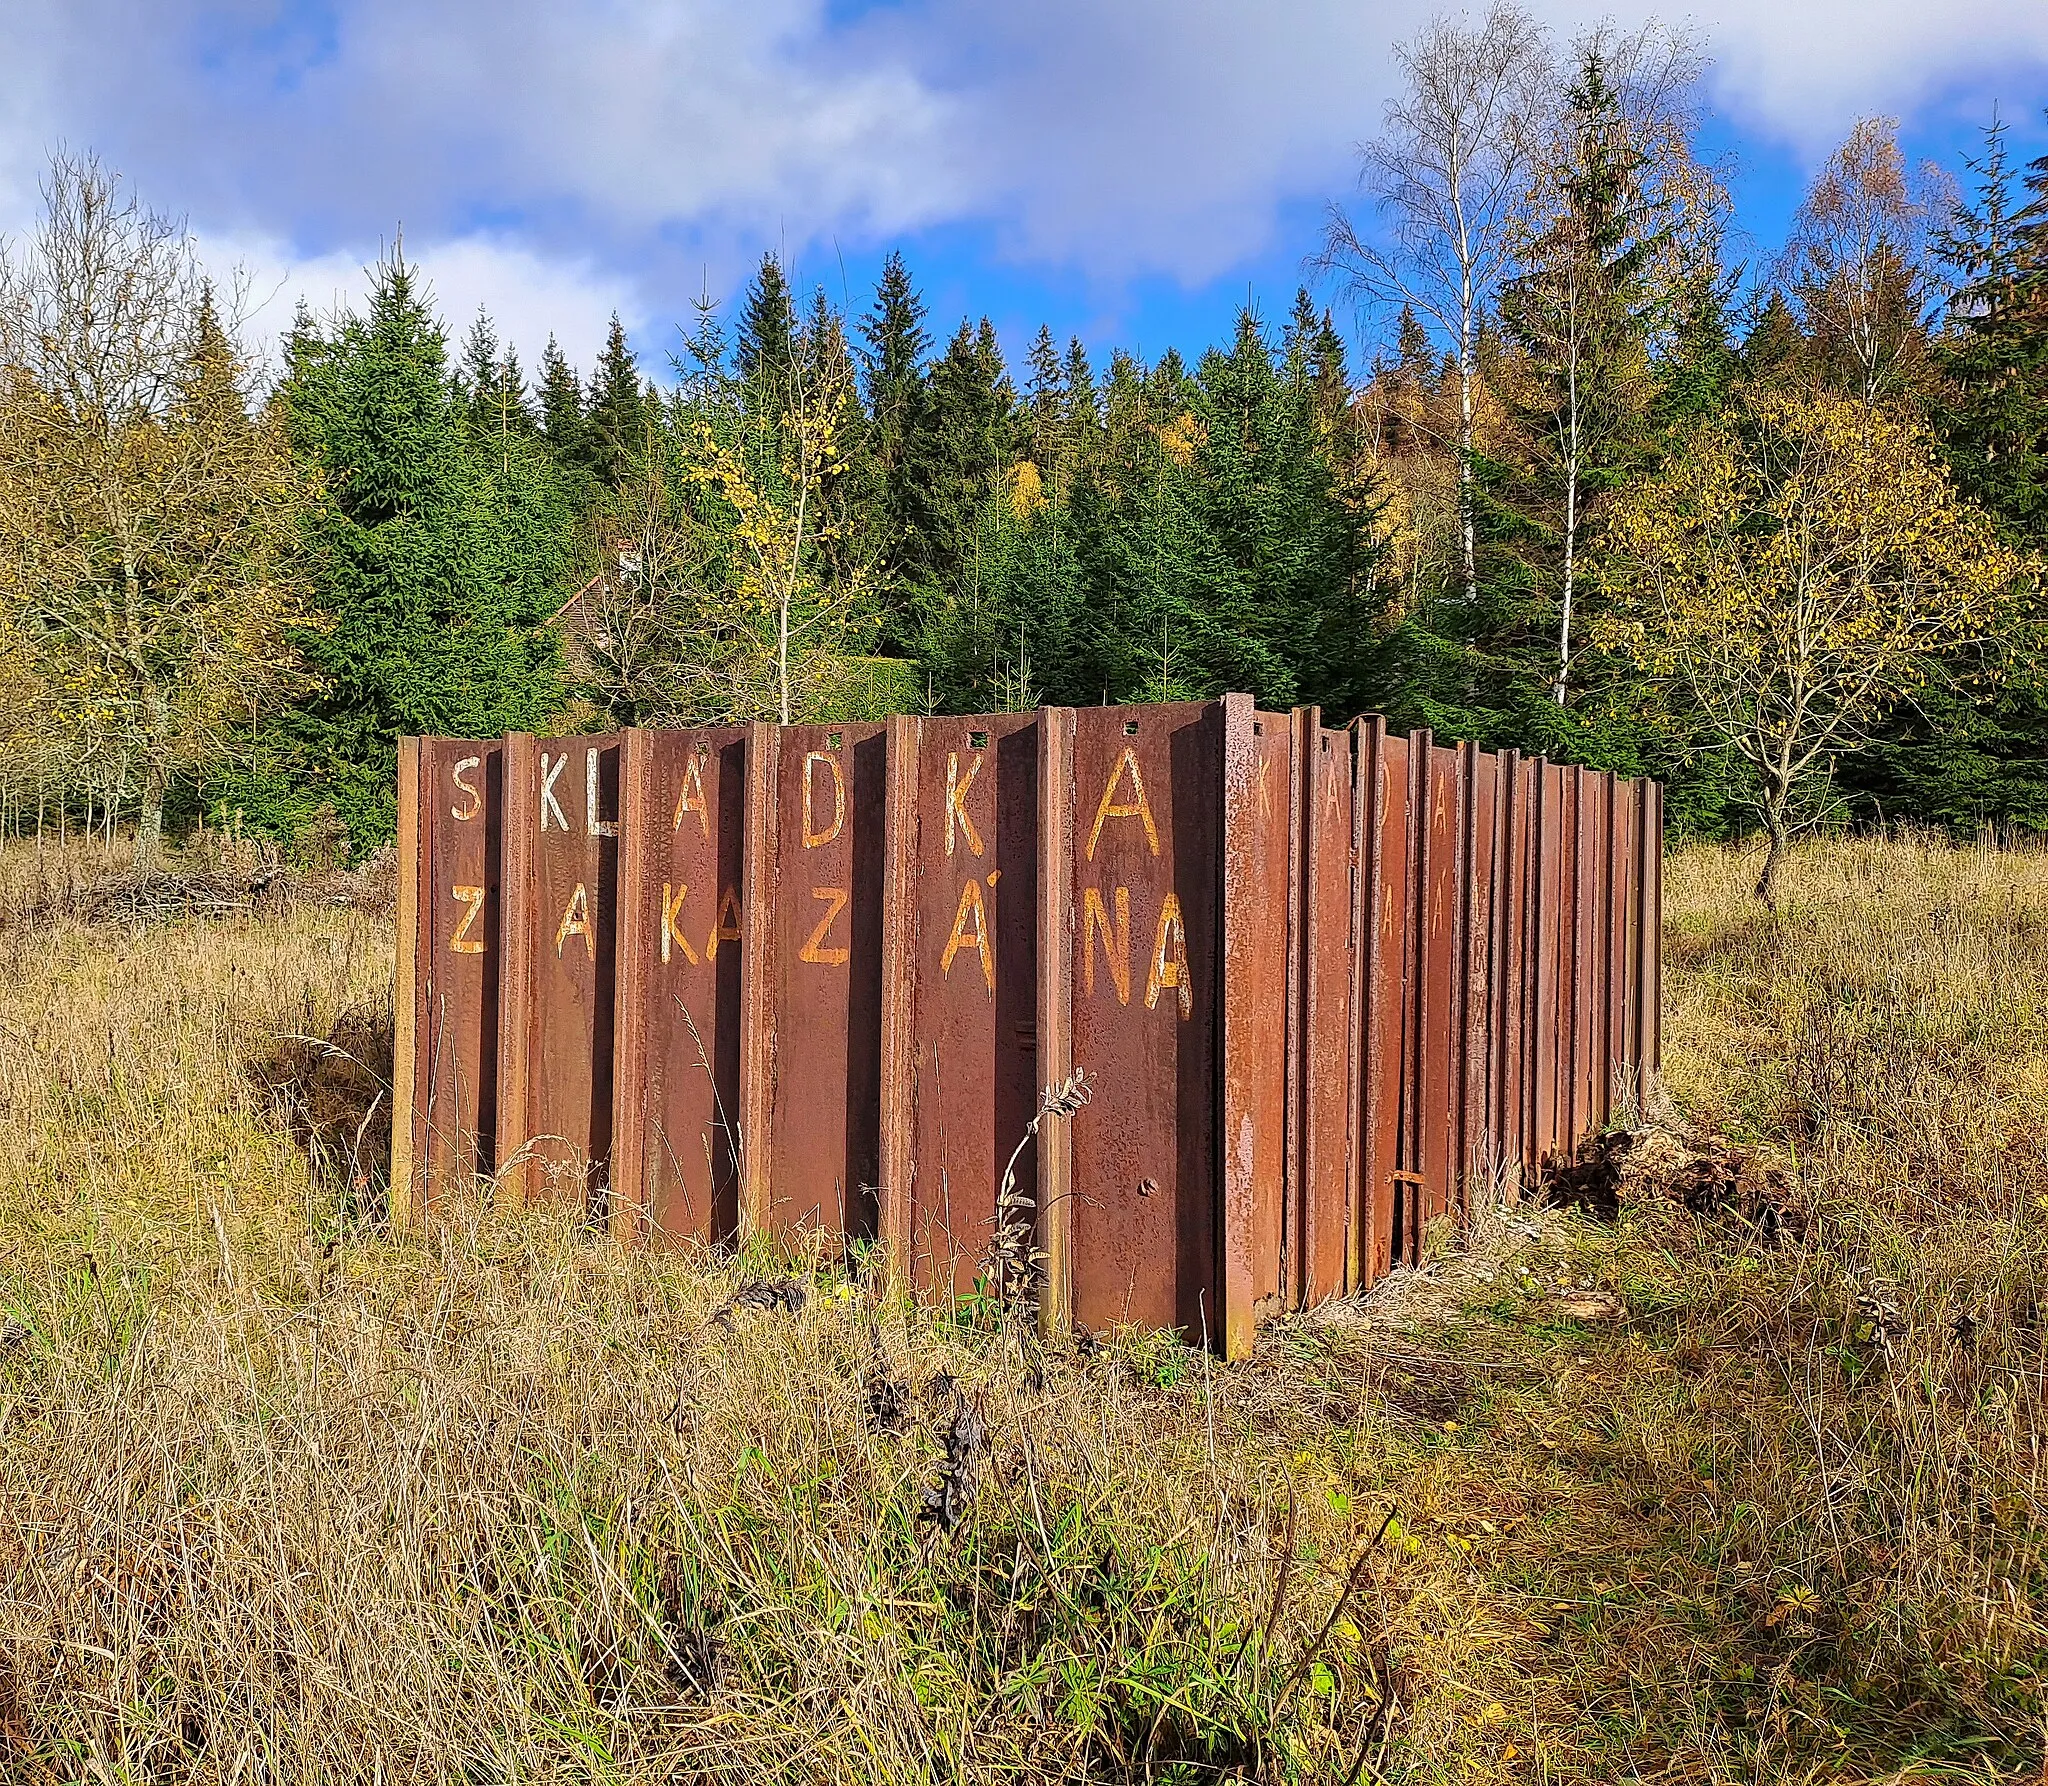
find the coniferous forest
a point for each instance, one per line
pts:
(1769, 527)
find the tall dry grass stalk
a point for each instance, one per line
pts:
(283, 1499)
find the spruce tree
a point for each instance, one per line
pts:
(969, 437)
(616, 420)
(767, 332)
(1994, 350)
(892, 356)
(1974, 748)
(435, 570)
(561, 413)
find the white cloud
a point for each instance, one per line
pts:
(530, 296)
(556, 161)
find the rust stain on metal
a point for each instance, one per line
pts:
(1055, 1014)
(973, 991)
(784, 979)
(1328, 1163)
(677, 1147)
(452, 798)
(1388, 912)
(561, 909)
(1146, 864)
(1260, 811)
(823, 982)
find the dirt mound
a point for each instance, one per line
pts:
(332, 1094)
(1712, 1177)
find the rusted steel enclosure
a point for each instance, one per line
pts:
(1328, 986)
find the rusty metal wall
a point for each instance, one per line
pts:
(559, 877)
(676, 1154)
(445, 1069)
(1327, 986)
(815, 1006)
(970, 1062)
(1146, 979)
(1323, 1040)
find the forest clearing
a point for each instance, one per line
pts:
(1734, 1477)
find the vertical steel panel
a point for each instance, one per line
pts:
(447, 1013)
(676, 1154)
(901, 870)
(1302, 727)
(1378, 822)
(1503, 1107)
(1476, 1136)
(1547, 883)
(1055, 774)
(1442, 944)
(561, 908)
(823, 974)
(1528, 781)
(973, 987)
(1403, 838)
(757, 971)
(405, 1198)
(1258, 819)
(1653, 923)
(1147, 974)
(1622, 952)
(1571, 978)
(1328, 1147)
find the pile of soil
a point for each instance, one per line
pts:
(1716, 1179)
(333, 1095)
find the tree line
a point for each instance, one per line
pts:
(1769, 529)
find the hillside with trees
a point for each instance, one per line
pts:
(1567, 500)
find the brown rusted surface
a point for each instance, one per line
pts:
(676, 1152)
(1322, 983)
(1517, 968)
(1387, 906)
(561, 907)
(1476, 1156)
(973, 994)
(447, 1043)
(1329, 1067)
(1436, 1089)
(1146, 862)
(1303, 724)
(823, 982)
(1650, 1045)
(1055, 1020)
(1330, 1023)
(1366, 736)
(1259, 816)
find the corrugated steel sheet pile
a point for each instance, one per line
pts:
(1322, 984)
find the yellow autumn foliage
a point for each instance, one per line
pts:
(1801, 567)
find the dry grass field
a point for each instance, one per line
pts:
(1738, 1481)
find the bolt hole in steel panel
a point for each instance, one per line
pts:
(1147, 966)
(556, 1014)
(677, 1150)
(446, 1044)
(973, 991)
(824, 982)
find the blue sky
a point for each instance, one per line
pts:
(1129, 170)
